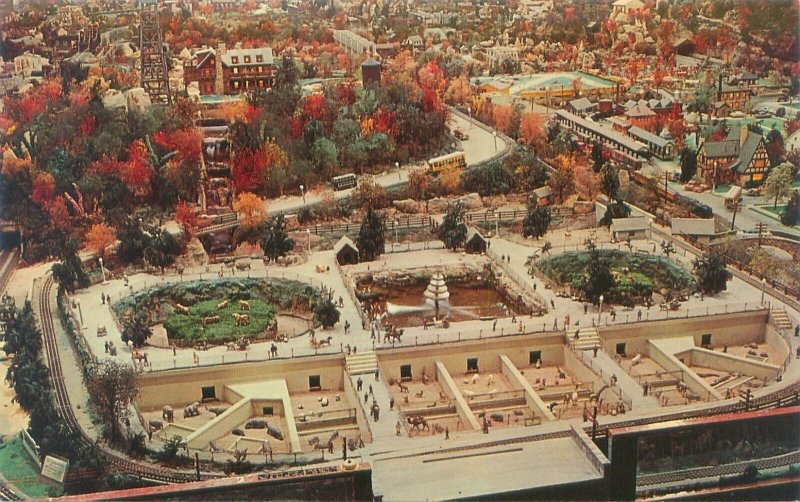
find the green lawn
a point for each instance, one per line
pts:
(190, 327)
(20, 470)
(775, 210)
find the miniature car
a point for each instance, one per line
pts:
(461, 135)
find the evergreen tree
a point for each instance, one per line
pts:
(597, 156)
(132, 241)
(326, 313)
(609, 180)
(537, 221)
(136, 330)
(370, 238)
(711, 273)
(113, 387)
(617, 209)
(69, 272)
(688, 164)
(453, 231)
(276, 241)
(162, 250)
(598, 279)
(791, 214)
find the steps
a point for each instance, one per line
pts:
(587, 340)
(781, 320)
(361, 363)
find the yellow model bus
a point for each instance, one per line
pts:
(455, 159)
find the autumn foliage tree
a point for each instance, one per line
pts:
(100, 237)
(531, 131)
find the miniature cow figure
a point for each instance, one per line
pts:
(167, 413)
(223, 304)
(212, 319)
(181, 309)
(242, 265)
(244, 304)
(241, 319)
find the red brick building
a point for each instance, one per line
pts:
(642, 116)
(232, 71)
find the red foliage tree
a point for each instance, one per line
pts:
(186, 217)
(44, 189)
(383, 121)
(295, 127)
(186, 142)
(59, 214)
(314, 107)
(249, 170)
(138, 173)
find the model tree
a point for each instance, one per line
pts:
(688, 164)
(609, 180)
(599, 279)
(667, 248)
(537, 221)
(136, 330)
(326, 313)
(791, 214)
(276, 241)
(711, 273)
(162, 250)
(617, 209)
(370, 238)
(779, 183)
(99, 238)
(69, 272)
(113, 387)
(453, 231)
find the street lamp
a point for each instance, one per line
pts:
(303, 193)
(763, 289)
(308, 234)
(80, 313)
(397, 166)
(103, 271)
(494, 133)
(600, 312)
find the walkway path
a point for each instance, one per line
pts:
(387, 418)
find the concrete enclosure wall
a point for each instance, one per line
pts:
(725, 329)
(181, 387)
(518, 382)
(671, 363)
(488, 351)
(733, 364)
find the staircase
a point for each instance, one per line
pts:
(781, 320)
(587, 340)
(362, 362)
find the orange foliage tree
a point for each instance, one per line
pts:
(99, 238)
(531, 130)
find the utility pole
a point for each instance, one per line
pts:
(735, 210)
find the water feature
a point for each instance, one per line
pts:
(413, 304)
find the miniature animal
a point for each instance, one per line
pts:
(212, 319)
(256, 423)
(237, 431)
(419, 423)
(182, 309)
(190, 411)
(218, 410)
(167, 413)
(242, 265)
(244, 304)
(274, 432)
(403, 388)
(223, 304)
(241, 319)
(475, 378)
(156, 425)
(419, 394)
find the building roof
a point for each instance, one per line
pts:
(343, 243)
(605, 131)
(630, 4)
(581, 104)
(733, 146)
(629, 224)
(473, 232)
(640, 110)
(693, 226)
(265, 52)
(648, 137)
(725, 148)
(748, 149)
(543, 192)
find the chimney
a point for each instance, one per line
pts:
(743, 132)
(219, 81)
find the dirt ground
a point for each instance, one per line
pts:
(228, 441)
(510, 416)
(772, 356)
(436, 425)
(419, 395)
(499, 383)
(547, 377)
(309, 403)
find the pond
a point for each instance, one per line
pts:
(468, 301)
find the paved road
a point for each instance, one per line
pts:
(480, 146)
(746, 217)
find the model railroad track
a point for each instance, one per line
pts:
(64, 407)
(7, 493)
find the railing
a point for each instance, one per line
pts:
(537, 300)
(508, 143)
(490, 215)
(605, 377)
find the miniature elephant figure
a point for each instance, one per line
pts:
(190, 411)
(167, 413)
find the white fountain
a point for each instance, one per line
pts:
(436, 292)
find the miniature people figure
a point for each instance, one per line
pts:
(639, 315)
(397, 428)
(594, 350)
(359, 384)
(552, 303)
(370, 391)
(346, 326)
(494, 325)
(174, 350)
(585, 308)
(106, 346)
(355, 349)
(377, 374)
(446, 432)
(103, 297)
(391, 403)
(797, 330)
(366, 397)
